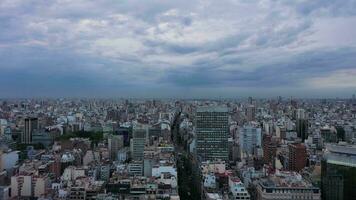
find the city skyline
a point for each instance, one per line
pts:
(114, 149)
(177, 49)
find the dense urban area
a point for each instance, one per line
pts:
(116, 149)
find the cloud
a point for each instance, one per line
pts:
(326, 7)
(133, 47)
(289, 71)
(335, 80)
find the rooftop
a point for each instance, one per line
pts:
(285, 180)
(235, 179)
(212, 109)
(341, 148)
(341, 154)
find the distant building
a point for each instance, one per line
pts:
(126, 133)
(55, 166)
(8, 160)
(42, 137)
(72, 173)
(158, 170)
(338, 172)
(300, 114)
(115, 143)
(286, 186)
(213, 196)
(77, 193)
(238, 189)
(212, 133)
(302, 128)
(122, 155)
(297, 157)
(31, 124)
(138, 141)
(328, 134)
(136, 168)
(209, 181)
(104, 172)
(269, 149)
(301, 124)
(91, 156)
(250, 139)
(27, 186)
(251, 113)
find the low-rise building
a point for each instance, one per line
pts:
(237, 189)
(286, 185)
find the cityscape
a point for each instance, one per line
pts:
(177, 100)
(280, 148)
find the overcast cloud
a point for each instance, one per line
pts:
(183, 48)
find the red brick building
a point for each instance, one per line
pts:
(297, 157)
(269, 149)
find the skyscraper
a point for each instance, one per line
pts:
(301, 124)
(137, 144)
(212, 133)
(31, 124)
(338, 172)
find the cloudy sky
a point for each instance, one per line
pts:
(177, 48)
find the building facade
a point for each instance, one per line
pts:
(212, 133)
(250, 138)
(138, 141)
(31, 124)
(297, 157)
(286, 186)
(115, 143)
(338, 172)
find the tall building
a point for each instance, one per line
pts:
(31, 124)
(338, 172)
(269, 149)
(302, 128)
(250, 100)
(300, 114)
(115, 143)
(297, 157)
(250, 138)
(137, 144)
(212, 133)
(328, 134)
(251, 113)
(301, 124)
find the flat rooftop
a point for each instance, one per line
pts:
(285, 180)
(341, 148)
(212, 109)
